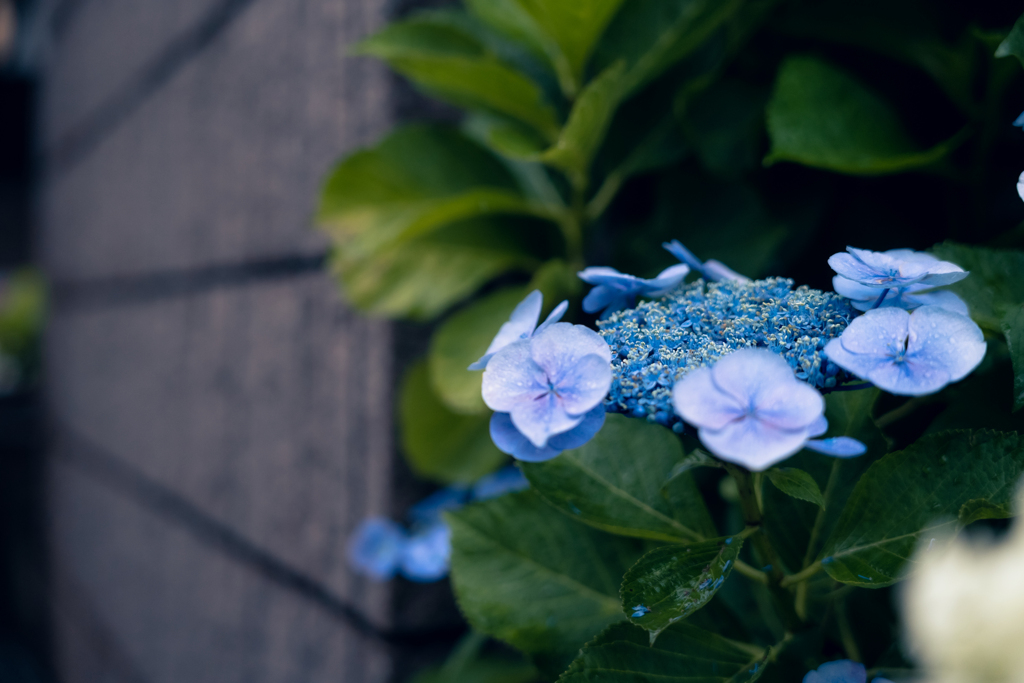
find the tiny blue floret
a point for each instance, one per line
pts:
(521, 325)
(911, 354)
(375, 549)
(615, 291)
(545, 387)
(639, 611)
(426, 553)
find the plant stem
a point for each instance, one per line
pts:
(846, 632)
(751, 573)
(781, 598)
(801, 576)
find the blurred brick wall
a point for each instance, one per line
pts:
(219, 419)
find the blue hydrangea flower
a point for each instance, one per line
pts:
(864, 298)
(911, 354)
(510, 440)
(711, 270)
(548, 384)
(425, 555)
(1019, 121)
(521, 325)
(750, 409)
(894, 268)
(429, 510)
(1020, 185)
(659, 342)
(506, 480)
(375, 549)
(615, 291)
(841, 671)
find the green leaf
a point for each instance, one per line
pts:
(725, 126)
(563, 31)
(422, 277)
(916, 492)
(536, 579)
(995, 285)
(1013, 328)
(798, 529)
(1013, 45)
(670, 583)
(682, 654)
(453, 65)
(439, 444)
(686, 502)
(466, 664)
(652, 35)
(22, 315)
(821, 116)
(796, 483)
(614, 481)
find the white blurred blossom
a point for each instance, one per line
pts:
(964, 610)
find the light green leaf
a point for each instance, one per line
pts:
(534, 578)
(460, 341)
(422, 277)
(652, 35)
(796, 483)
(1013, 328)
(798, 529)
(995, 285)
(415, 181)
(614, 482)
(916, 492)
(682, 654)
(587, 124)
(438, 444)
(563, 31)
(820, 116)
(1013, 45)
(670, 583)
(450, 63)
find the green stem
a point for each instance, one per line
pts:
(801, 576)
(846, 632)
(751, 573)
(781, 598)
(812, 543)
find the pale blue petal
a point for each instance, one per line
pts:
(603, 275)
(753, 443)
(581, 433)
(818, 427)
(944, 273)
(837, 446)
(666, 280)
(520, 324)
(430, 508)
(880, 332)
(842, 671)
(865, 366)
(748, 373)
(854, 291)
(880, 680)
(376, 547)
(426, 554)
(553, 317)
(697, 400)
(719, 272)
(908, 378)
(512, 377)
(789, 404)
(606, 300)
(943, 298)
(683, 254)
(584, 385)
(1020, 185)
(852, 268)
(1019, 121)
(506, 480)
(940, 339)
(542, 418)
(562, 345)
(482, 362)
(510, 440)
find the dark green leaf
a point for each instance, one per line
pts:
(682, 654)
(534, 578)
(452, 64)
(1013, 45)
(563, 31)
(670, 583)
(686, 502)
(439, 444)
(995, 284)
(467, 664)
(614, 482)
(652, 35)
(725, 124)
(820, 116)
(1013, 328)
(796, 483)
(917, 491)
(460, 341)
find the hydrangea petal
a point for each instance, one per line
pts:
(666, 280)
(753, 443)
(676, 248)
(553, 317)
(506, 480)
(562, 345)
(1020, 185)
(868, 274)
(837, 447)
(581, 433)
(583, 385)
(943, 298)
(860, 364)
(426, 554)
(841, 671)
(718, 272)
(748, 373)
(791, 404)
(943, 340)
(511, 377)
(429, 510)
(376, 547)
(510, 440)
(698, 401)
(542, 418)
(606, 300)
(519, 326)
(880, 332)
(818, 427)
